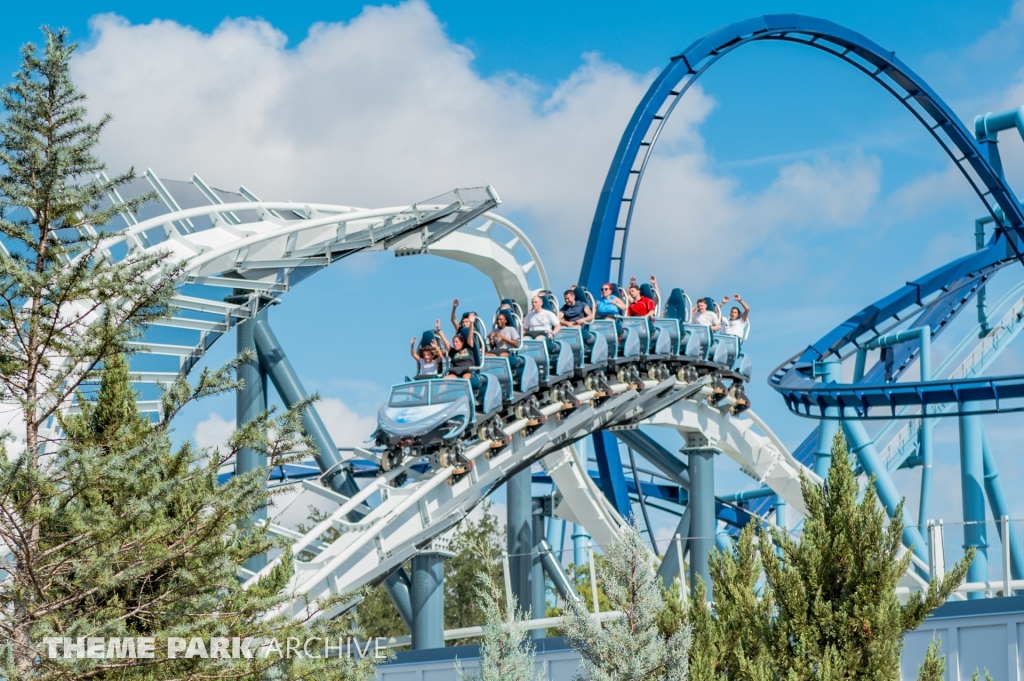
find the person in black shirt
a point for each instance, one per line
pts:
(575, 312)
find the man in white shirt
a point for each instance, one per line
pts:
(702, 315)
(736, 324)
(540, 322)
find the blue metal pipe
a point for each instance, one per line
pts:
(427, 601)
(670, 568)
(613, 479)
(519, 529)
(289, 387)
(979, 243)
(274, 362)
(830, 372)
(863, 447)
(580, 544)
(922, 334)
(538, 585)
(250, 402)
(972, 485)
(702, 515)
(737, 497)
(997, 502)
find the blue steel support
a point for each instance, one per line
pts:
(703, 524)
(519, 528)
(830, 372)
(863, 447)
(979, 243)
(972, 485)
(670, 567)
(580, 544)
(609, 467)
(427, 601)
(250, 402)
(780, 512)
(997, 503)
(289, 387)
(538, 585)
(923, 335)
(274, 362)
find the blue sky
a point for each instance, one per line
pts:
(786, 175)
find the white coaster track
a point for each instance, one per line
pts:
(235, 246)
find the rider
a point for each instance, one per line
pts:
(639, 304)
(428, 358)
(736, 324)
(457, 323)
(702, 315)
(503, 337)
(460, 352)
(541, 323)
(575, 312)
(609, 305)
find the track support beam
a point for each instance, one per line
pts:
(701, 507)
(250, 402)
(972, 485)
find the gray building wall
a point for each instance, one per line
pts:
(984, 634)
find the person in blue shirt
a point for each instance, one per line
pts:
(609, 305)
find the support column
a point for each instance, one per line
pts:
(863, 447)
(286, 381)
(671, 567)
(519, 529)
(702, 515)
(538, 590)
(273, 362)
(780, 512)
(999, 507)
(612, 477)
(427, 601)
(250, 402)
(830, 372)
(972, 485)
(580, 542)
(925, 436)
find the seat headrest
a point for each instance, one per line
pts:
(647, 291)
(676, 306)
(427, 337)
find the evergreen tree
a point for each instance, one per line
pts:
(827, 607)
(110, 531)
(506, 651)
(631, 648)
(55, 284)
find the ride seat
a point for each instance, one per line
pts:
(678, 305)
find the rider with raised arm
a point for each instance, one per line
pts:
(736, 324)
(457, 323)
(639, 304)
(426, 359)
(460, 354)
(702, 315)
(609, 305)
(575, 312)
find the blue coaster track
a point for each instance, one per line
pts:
(917, 312)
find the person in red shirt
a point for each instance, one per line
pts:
(639, 304)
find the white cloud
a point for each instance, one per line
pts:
(386, 109)
(347, 428)
(213, 431)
